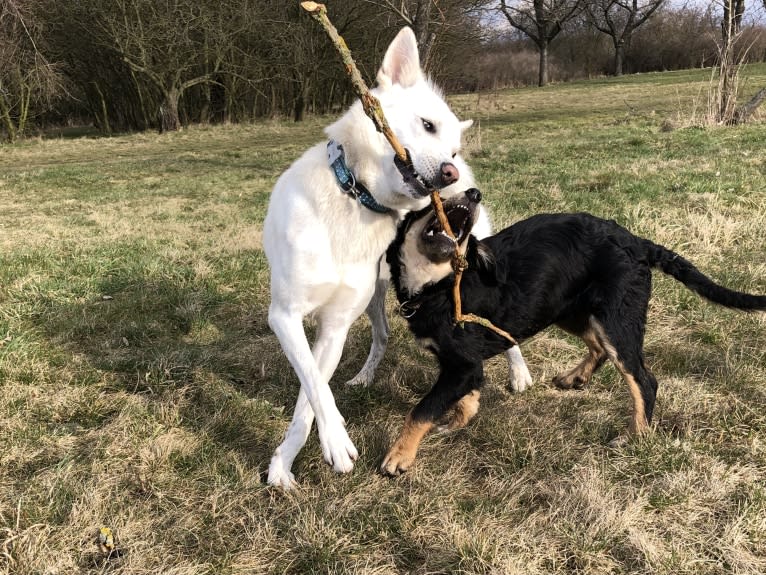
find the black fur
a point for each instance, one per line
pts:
(588, 275)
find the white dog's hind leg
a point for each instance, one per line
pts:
(519, 376)
(376, 311)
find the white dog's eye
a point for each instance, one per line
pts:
(428, 126)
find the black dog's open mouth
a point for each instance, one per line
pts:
(433, 241)
(460, 218)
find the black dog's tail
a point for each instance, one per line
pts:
(683, 270)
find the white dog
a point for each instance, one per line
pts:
(331, 217)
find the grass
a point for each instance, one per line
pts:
(141, 389)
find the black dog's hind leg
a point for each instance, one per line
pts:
(456, 387)
(623, 345)
(579, 376)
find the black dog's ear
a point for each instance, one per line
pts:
(485, 260)
(486, 257)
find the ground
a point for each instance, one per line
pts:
(141, 389)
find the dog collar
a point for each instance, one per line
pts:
(409, 308)
(347, 181)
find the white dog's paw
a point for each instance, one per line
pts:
(280, 476)
(520, 378)
(337, 448)
(363, 378)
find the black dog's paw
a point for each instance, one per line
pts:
(570, 381)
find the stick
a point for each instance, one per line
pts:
(374, 111)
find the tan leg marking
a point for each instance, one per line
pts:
(402, 454)
(462, 412)
(579, 376)
(638, 424)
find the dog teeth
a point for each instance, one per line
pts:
(430, 233)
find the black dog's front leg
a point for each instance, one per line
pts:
(457, 386)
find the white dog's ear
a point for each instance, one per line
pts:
(401, 64)
(465, 124)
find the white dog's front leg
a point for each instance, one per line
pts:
(519, 376)
(337, 448)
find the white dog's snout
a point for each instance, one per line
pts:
(437, 172)
(427, 167)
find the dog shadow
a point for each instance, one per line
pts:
(181, 342)
(205, 352)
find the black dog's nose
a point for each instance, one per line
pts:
(449, 174)
(474, 195)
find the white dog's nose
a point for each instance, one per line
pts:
(449, 174)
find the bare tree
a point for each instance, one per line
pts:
(731, 26)
(541, 21)
(417, 15)
(724, 97)
(28, 81)
(619, 19)
(436, 23)
(173, 44)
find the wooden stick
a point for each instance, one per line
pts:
(370, 103)
(374, 111)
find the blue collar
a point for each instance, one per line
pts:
(347, 181)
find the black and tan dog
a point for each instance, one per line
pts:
(587, 275)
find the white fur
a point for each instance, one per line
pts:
(324, 248)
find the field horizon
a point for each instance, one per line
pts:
(142, 390)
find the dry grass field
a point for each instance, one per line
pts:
(141, 388)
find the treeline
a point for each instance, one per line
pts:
(157, 64)
(674, 38)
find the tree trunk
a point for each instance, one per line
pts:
(301, 100)
(542, 78)
(106, 127)
(729, 69)
(731, 24)
(619, 57)
(206, 104)
(169, 121)
(426, 50)
(5, 115)
(421, 25)
(728, 88)
(299, 107)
